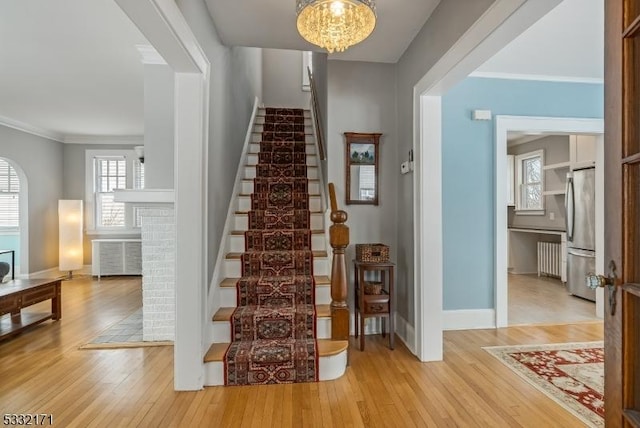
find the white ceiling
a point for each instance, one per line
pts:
(566, 43)
(272, 24)
(70, 67)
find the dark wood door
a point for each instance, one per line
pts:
(622, 212)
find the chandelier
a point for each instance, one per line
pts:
(335, 24)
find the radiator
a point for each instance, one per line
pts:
(549, 259)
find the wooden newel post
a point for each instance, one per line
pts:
(339, 239)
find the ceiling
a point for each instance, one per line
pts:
(70, 67)
(272, 24)
(567, 43)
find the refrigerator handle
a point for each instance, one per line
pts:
(569, 202)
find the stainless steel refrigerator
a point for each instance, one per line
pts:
(580, 203)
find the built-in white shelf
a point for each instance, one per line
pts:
(559, 165)
(553, 192)
(146, 196)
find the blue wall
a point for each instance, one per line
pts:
(468, 153)
(10, 242)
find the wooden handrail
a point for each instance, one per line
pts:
(317, 116)
(339, 239)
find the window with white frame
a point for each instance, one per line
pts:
(530, 183)
(107, 171)
(9, 197)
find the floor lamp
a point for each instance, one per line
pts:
(70, 252)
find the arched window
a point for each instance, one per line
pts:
(9, 197)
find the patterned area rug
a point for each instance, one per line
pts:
(572, 374)
(273, 329)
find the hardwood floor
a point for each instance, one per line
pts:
(543, 300)
(42, 371)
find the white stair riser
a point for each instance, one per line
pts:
(250, 173)
(255, 148)
(232, 267)
(236, 243)
(242, 222)
(228, 296)
(244, 203)
(329, 368)
(222, 330)
(247, 187)
(252, 159)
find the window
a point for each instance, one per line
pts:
(109, 170)
(530, 183)
(9, 197)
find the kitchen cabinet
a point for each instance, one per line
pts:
(582, 151)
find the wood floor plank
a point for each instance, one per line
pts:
(43, 371)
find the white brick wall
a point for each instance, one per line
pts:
(158, 273)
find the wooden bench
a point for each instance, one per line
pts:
(20, 293)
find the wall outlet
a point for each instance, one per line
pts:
(404, 167)
(552, 216)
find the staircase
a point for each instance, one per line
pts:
(247, 244)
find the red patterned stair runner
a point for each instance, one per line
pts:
(273, 329)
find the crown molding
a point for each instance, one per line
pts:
(30, 129)
(132, 140)
(538, 77)
(150, 56)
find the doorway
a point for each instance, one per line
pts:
(516, 237)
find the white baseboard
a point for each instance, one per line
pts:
(469, 319)
(371, 325)
(56, 272)
(406, 333)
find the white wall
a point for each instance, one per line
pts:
(282, 79)
(42, 162)
(361, 99)
(158, 126)
(73, 177)
(448, 22)
(235, 82)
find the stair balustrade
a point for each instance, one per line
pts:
(339, 240)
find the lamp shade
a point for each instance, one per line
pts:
(70, 252)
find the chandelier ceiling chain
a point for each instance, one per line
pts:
(335, 25)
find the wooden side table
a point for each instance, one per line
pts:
(374, 305)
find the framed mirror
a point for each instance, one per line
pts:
(361, 168)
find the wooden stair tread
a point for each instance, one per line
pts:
(224, 313)
(236, 256)
(326, 348)
(247, 212)
(247, 195)
(321, 281)
(313, 232)
(308, 166)
(310, 180)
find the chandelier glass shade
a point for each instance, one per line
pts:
(335, 24)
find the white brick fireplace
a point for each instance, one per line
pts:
(158, 225)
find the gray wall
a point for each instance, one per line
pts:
(158, 126)
(41, 161)
(361, 99)
(449, 21)
(282, 79)
(556, 150)
(74, 181)
(319, 70)
(235, 82)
